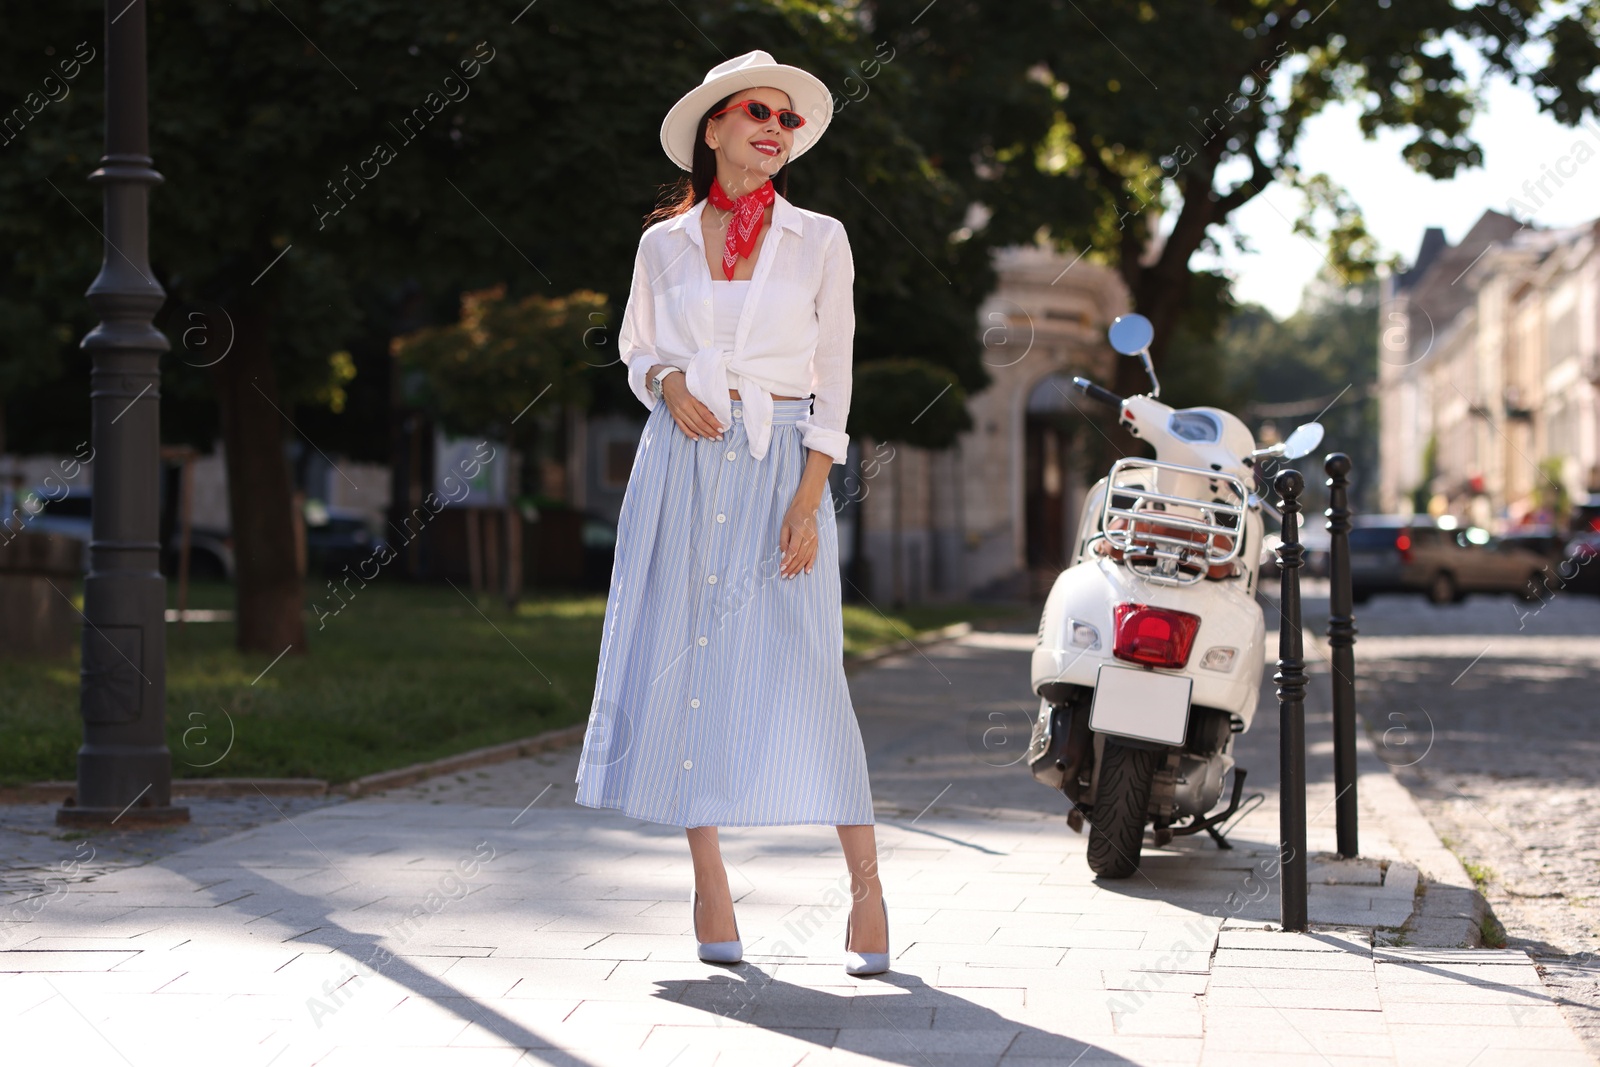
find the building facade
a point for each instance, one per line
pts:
(1488, 374)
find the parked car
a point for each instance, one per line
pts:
(1545, 541)
(337, 538)
(1316, 541)
(69, 513)
(1579, 569)
(1586, 515)
(1393, 554)
(210, 554)
(43, 511)
(1313, 562)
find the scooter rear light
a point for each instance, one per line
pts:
(1153, 637)
(1403, 543)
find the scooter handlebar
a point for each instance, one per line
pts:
(1096, 392)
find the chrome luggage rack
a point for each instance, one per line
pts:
(1134, 509)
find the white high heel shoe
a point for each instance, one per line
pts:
(713, 951)
(859, 963)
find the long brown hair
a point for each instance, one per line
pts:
(695, 186)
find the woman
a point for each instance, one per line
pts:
(720, 698)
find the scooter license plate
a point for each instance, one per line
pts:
(1143, 704)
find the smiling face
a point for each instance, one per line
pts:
(750, 152)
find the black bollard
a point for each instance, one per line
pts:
(1291, 679)
(1341, 641)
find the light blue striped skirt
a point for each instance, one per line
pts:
(720, 698)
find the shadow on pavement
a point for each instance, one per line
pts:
(942, 1022)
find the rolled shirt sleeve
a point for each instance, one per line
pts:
(636, 338)
(823, 428)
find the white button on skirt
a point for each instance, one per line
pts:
(722, 703)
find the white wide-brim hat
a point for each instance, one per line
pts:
(753, 70)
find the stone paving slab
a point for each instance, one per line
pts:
(501, 961)
(483, 929)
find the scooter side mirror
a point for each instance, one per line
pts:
(1131, 334)
(1303, 441)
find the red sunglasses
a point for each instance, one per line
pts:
(789, 120)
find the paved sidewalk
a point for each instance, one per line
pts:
(484, 918)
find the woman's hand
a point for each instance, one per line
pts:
(693, 417)
(798, 537)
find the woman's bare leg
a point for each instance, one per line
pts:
(711, 881)
(868, 932)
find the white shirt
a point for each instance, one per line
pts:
(795, 335)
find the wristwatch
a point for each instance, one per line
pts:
(656, 377)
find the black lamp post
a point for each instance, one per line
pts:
(124, 767)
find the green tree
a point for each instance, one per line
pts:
(1134, 129)
(1551, 492)
(1422, 495)
(483, 373)
(322, 159)
(1316, 364)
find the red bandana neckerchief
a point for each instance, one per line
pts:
(747, 212)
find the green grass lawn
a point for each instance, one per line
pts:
(866, 627)
(404, 673)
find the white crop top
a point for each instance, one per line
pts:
(727, 301)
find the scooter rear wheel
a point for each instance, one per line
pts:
(1116, 829)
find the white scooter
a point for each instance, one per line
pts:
(1152, 643)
